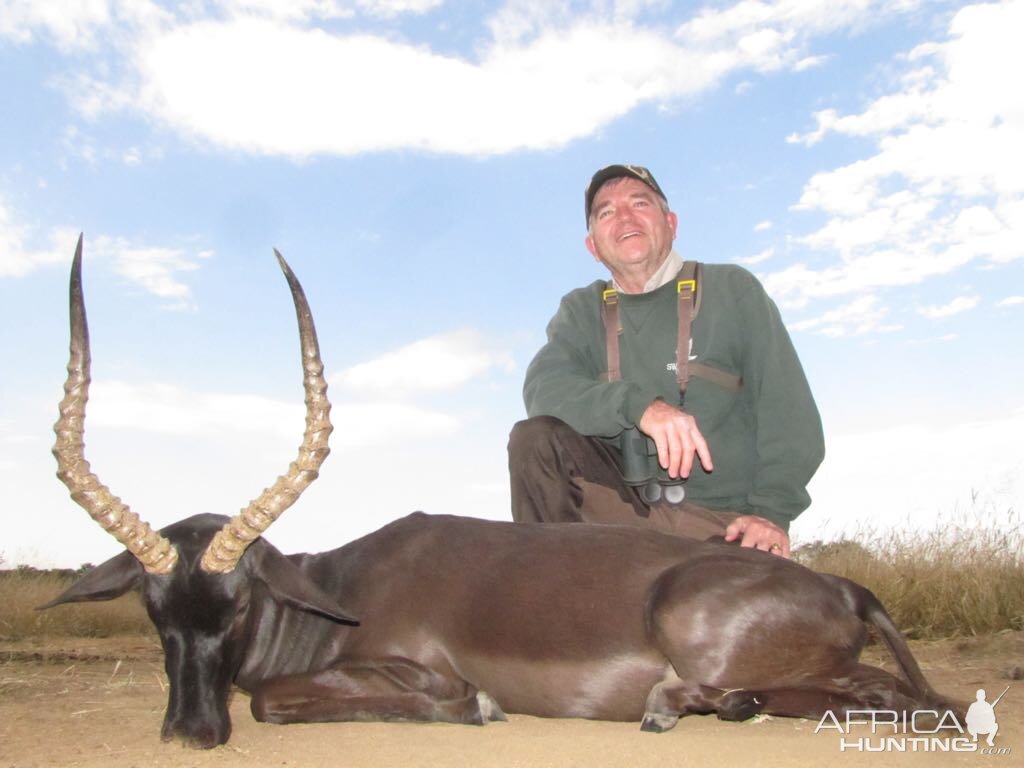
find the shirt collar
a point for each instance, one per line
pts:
(668, 270)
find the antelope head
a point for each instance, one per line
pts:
(196, 576)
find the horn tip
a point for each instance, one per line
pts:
(284, 264)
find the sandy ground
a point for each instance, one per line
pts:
(101, 702)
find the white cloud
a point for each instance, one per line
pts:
(18, 258)
(369, 424)
(189, 451)
(862, 316)
(757, 258)
(988, 481)
(1011, 301)
(891, 265)
(438, 363)
(810, 62)
(955, 307)
(285, 10)
(520, 20)
(945, 186)
(173, 410)
(79, 25)
(360, 93)
(763, 226)
(945, 338)
(390, 8)
(69, 22)
(91, 24)
(771, 35)
(550, 73)
(154, 269)
(307, 10)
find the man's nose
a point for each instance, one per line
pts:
(624, 213)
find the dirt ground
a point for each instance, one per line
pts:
(101, 702)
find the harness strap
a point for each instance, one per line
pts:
(688, 282)
(610, 312)
(686, 288)
(717, 376)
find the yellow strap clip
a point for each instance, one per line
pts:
(610, 295)
(691, 284)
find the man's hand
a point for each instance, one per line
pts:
(760, 533)
(677, 437)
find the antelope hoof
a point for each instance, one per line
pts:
(740, 705)
(490, 711)
(655, 723)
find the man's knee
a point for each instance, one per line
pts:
(535, 437)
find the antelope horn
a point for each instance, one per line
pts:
(152, 550)
(229, 544)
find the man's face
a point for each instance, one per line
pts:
(629, 232)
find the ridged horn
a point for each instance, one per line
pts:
(156, 553)
(229, 544)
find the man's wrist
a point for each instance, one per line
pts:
(636, 403)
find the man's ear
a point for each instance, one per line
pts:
(673, 222)
(589, 242)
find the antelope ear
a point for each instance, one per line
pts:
(290, 585)
(107, 581)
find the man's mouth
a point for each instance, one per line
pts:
(627, 235)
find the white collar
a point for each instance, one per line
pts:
(668, 270)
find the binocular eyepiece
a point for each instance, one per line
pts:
(640, 468)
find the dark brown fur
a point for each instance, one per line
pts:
(553, 620)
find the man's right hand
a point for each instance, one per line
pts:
(676, 434)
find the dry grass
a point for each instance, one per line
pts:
(22, 591)
(958, 580)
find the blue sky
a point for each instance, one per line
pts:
(421, 164)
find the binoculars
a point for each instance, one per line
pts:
(640, 468)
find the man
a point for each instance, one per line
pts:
(731, 414)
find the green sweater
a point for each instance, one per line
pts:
(766, 439)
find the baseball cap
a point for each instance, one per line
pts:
(607, 173)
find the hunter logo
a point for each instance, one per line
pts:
(981, 717)
(865, 730)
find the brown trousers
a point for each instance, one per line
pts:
(561, 476)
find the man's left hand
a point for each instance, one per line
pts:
(755, 531)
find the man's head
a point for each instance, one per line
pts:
(620, 171)
(630, 228)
